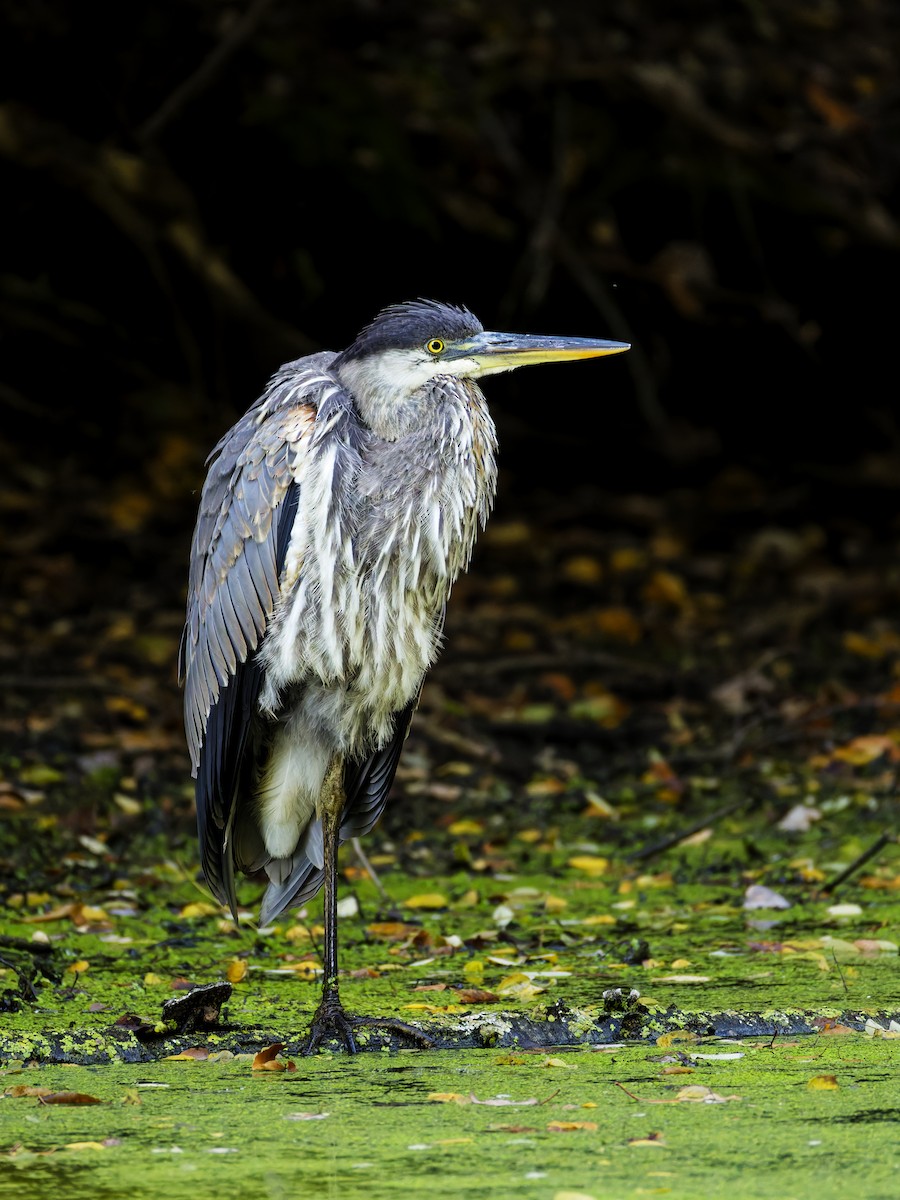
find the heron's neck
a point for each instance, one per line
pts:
(393, 399)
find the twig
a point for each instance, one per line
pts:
(200, 78)
(839, 971)
(680, 835)
(874, 849)
(369, 869)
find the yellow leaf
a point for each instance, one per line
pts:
(305, 968)
(570, 1126)
(84, 1146)
(676, 1035)
(581, 568)
(466, 826)
(298, 933)
(555, 904)
(151, 979)
(200, 908)
(591, 863)
(237, 970)
(619, 624)
(392, 931)
(665, 587)
(78, 968)
(865, 749)
(874, 648)
(518, 985)
(823, 1083)
(530, 835)
(448, 1098)
(558, 1062)
(427, 900)
(627, 558)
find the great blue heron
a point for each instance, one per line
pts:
(335, 517)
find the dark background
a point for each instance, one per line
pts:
(195, 192)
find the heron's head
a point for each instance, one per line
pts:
(393, 360)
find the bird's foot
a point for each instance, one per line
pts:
(332, 1021)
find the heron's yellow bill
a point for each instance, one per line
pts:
(506, 351)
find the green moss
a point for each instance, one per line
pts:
(366, 1126)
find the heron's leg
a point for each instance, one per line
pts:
(330, 1017)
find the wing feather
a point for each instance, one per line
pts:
(247, 510)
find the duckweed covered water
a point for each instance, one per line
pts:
(817, 1115)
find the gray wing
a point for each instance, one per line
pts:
(247, 509)
(233, 583)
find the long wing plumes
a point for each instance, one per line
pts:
(234, 578)
(243, 529)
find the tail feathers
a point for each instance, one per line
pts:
(293, 881)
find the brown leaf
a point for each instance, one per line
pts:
(476, 996)
(391, 931)
(267, 1059)
(833, 1028)
(69, 1098)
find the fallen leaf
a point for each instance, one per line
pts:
(391, 931)
(267, 1059)
(592, 864)
(428, 900)
(570, 1126)
(676, 1035)
(476, 996)
(698, 1094)
(827, 1026)
(69, 1098)
(823, 1083)
(758, 896)
(200, 908)
(518, 985)
(193, 1054)
(237, 970)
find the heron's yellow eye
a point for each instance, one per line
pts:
(435, 346)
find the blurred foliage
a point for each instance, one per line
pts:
(199, 190)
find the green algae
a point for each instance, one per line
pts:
(596, 1123)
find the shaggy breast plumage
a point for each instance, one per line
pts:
(381, 532)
